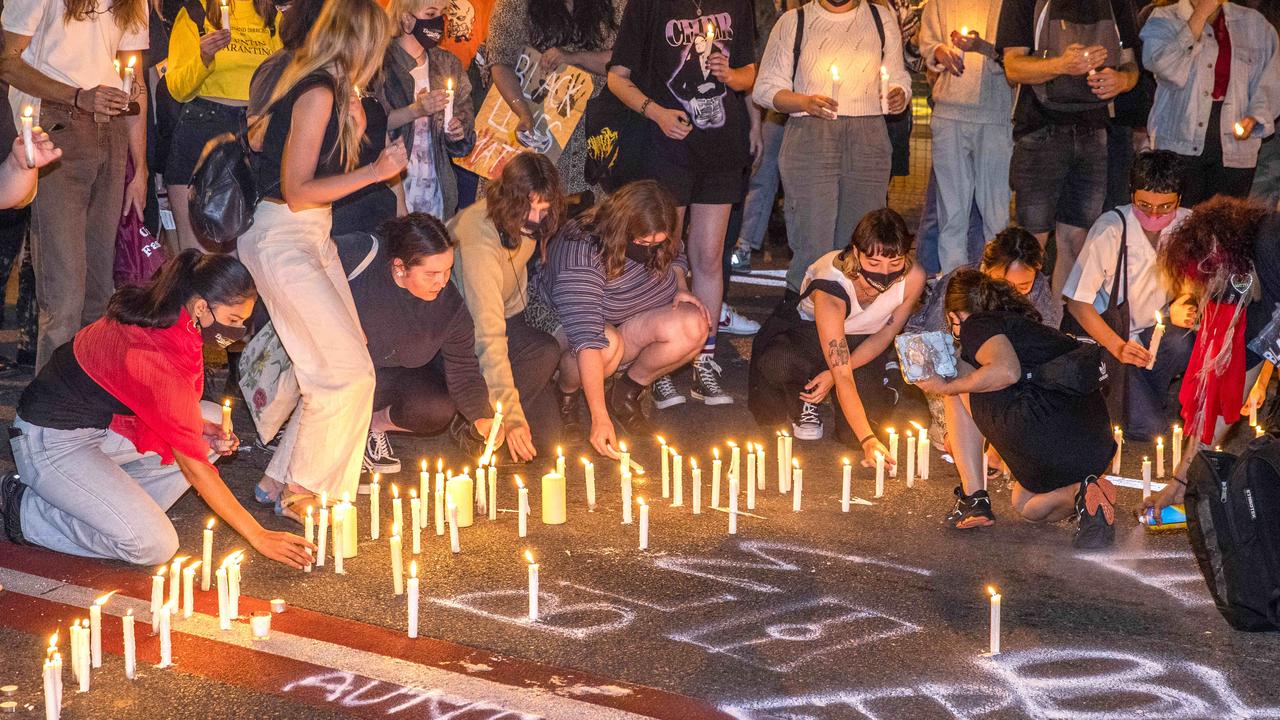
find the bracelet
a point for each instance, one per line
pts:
(863, 441)
(645, 106)
(1181, 482)
(75, 102)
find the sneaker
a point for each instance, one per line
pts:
(809, 425)
(740, 260)
(11, 491)
(971, 511)
(665, 394)
(270, 446)
(1095, 507)
(731, 323)
(706, 385)
(378, 455)
(464, 435)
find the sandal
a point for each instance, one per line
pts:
(267, 495)
(289, 503)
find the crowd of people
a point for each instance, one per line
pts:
(1102, 173)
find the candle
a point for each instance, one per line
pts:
(260, 625)
(157, 598)
(277, 606)
(166, 638)
(309, 532)
(893, 452)
(1156, 335)
(225, 16)
(560, 461)
(413, 599)
(492, 439)
(415, 520)
(482, 500)
(733, 505)
(715, 474)
(522, 494)
(175, 578)
(879, 474)
(626, 497)
(454, 545)
(995, 620)
(324, 529)
(922, 451)
(1118, 436)
(206, 556)
(460, 493)
(1146, 477)
(554, 501)
(1177, 447)
(189, 589)
(226, 417)
(95, 628)
(233, 583)
(375, 506)
(760, 466)
(711, 36)
(82, 651)
(493, 493)
(735, 461)
(1259, 431)
(986, 461)
(350, 526)
(1253, 415)
(884, 90)
(339, 521)
(677, 479)
(128, 90)
(224, 616)
(397, 561)
(51, 706)
(439, 494)
(751, 477)
(782, 467)
(911, 459)
(26, 136)
(448, 119)
(1239, 128)
(590, 471)
(130, 645)
(835, 83)
(666, 468)
(533, 586)
(397, 506)
(1160, 456)
(424, 482)
(644, 523)
(697, 486)
(797, 485)
(624, 459)
(846, 482)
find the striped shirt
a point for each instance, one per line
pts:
(573, 283)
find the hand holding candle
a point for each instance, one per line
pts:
(27, 143)
(448, 120)
(1156, 335)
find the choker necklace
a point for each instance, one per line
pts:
(697, 6)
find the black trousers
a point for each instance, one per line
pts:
(787, 354)
(1204, 175)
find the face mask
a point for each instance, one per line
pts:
(223, 335)
(839, 3)
(639, 253)
(533, 229)
(882, 281)
(428, 32)
(1153, 223)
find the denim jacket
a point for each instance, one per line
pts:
(1183, 67)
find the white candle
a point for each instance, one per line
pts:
(785, 467)
(715, 474)
(1156, 335)
(1146, 477)
(260, 625)
(454, 545)
(1177, 447)
(460, 491)
(522, 494)
(1118, 436)
(226, 417)
(1253, 415)
(128, 90)
(735, 461)
(624, 459)
(493, 493)
(339, 524)
(922, 452)
(555, 503)
(911, 459)
(760, 466)
(782, 466)
(697, 486)
(491, 440)
(1160, 456)
(846, 482)
(533, 586)
(424, 484)
(224, 616)
(277, 605)
(589, 470)
(95, 629)
(157, 598)
(413, 599)
(666, 468)
(751, 477)
(644, 524)
(397, 507)
(81, 640)
(189, 589)
(350, 527)
(893, 452)
(986, 461)
(206, 556)
(27, 140)
(797, 485)
(879, 474)
(448, 119)
(835, 83)
(175, 580)
(481, 499)
(560, 461)
(995, 621)
(439, 494)
(733, 505)
(57, 679)
(677, 479)
(308, 532)
(166, 638)
(225, 16)
(415, 519)
(884, 90)
(397, 561)
(626, 496)
(322, 546)
(233, 583)
(375, 506)
(130, 645)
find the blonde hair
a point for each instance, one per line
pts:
(347, 41)
(398, 8)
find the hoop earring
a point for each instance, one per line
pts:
(195, 325)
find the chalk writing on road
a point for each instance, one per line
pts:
(1169, 571)
(348, 690)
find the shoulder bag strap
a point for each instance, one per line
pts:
(875, 17)
(368, 259)
(795, 50)
(1122, 262)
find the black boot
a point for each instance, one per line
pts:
(570, 406)
(11, 491)
(626, 408)
(464, 435)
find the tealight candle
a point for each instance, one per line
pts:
(260, 624)
(278, 605)
(1239, 128)
(533, 586)
(644, 524)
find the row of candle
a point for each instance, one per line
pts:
(1176, 448)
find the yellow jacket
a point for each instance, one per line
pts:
(228, 77)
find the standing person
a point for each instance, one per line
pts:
(1139, 227)
(295, 22)
(1216, 86)
(112, 431)
(415, 84)
(1266, 180)
(209, 71)
(1071, 59)
(689, 68)
(571, 32)
(59, 57)
(836, 155)
(972, 139)
(614, 293)
(1056, 443)
(308, 160)
(496, 240)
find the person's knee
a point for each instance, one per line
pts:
(689, 327)
(152, 545)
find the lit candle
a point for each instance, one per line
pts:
(590, 471)
(1156, 335)
(128, 90)
(964, 30)
(157, 598)
(226, 417)
(454, 545)
(130, 645)
(995, 620)
(922, 451)
(697, 486)
(835, 83)
(797, 484)
(715, 475)
(448, 120)
(782, 465)
(413, 599)
(439, 495)
(189, 589)
(482, 500)
(533, 586)
(95, 628)
(554, 499)
(884, 90)
(233, 583)
(735, 461)
(1239, 128)
(560, 461)
(166, 638)
(1253, 415)
(339, 523)
(626, 496)
(846, 482)
(397, 561)
(522, 494)
(322, 546)
(224, 617)
(415, 519)
(424, 481)
(1118, 436)
(1259, 431)
(1160, 456)
(893, 452)
(27, 140)
(206, 556)
(260, 625)
(461, 493)
(1146, 477)
(733, 505)
(624, 459)
(785, 468)
(677, 479)
(397, 507)
(760, 466)
(52, 708)
(225, 16)
(666, 468)
(751, 477)
(711, 36)
(911, 459)
(493, 493)
(644, 523)
(82, 647)
(1177, 447)
(879, 474)
(492, 439)
(375, 505)
(175, 580)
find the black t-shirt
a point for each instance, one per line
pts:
(1034, 343)
(1018, 29)
(272, 155)
(664, 45)
(64, 397)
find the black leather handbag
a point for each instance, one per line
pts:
(224, 191)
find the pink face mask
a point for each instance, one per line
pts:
(1153, 223)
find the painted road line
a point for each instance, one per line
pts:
(1133, 483)
(750, 280)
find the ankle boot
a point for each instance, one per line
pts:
(570, 407)
(626, 408)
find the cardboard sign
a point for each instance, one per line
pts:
(557, 99)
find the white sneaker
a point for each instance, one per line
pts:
(732, 323)
(378, 456)
(665, 394)
(809, 426)
(706, 383)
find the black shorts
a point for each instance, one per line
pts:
(199, 122)
(702, 178)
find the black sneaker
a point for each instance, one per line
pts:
(378, 455)
(270, 446)
(570, 407)
(465, 436)
(1096, 511)
(11, 490)
(706, 382)
(971, 511)
(626, 408)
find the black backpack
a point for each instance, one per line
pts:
(1233, 522)
(224, 191)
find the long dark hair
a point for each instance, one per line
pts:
(636, 210)
(298, 21)
(553, 25)
(972, 291)
(507, 198)
(412, 237)
(219, 279)
(1013, 244)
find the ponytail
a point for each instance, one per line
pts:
(972, 291)
(219, 279)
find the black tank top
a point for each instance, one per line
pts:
(277, 133)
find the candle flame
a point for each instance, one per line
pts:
(884, 73)
(413, 569)
(585, 462)
(917, 425)
(424, 465)
(324, 499)
(559, 451)
(835, 73)
(449, 89)
(1159, 318)
(395, 531)
(964, 29)
(209, 525)
(117, 64)
(103, 600)
(993, 591)
(528, 556)
(661, 440)
(53, 639)
(716, 452)
(519, 482)
(1160, 441)
(731, 443)
(395, 491)
(309, 510)
(26, 112)
(413, 493)
(226, 403)
(693, 463)
(795, 462)
(160, 571)
(640, 501)
(346, 497)
(622, 446)
(844, 461)
(192, 567)
(1239, 130)
(711, 32)
(439, 464)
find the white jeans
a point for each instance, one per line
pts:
(971, 164)
(299, 276)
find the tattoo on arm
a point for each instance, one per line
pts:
(837, 353)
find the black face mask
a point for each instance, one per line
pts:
(533, 229)
(639, 253)
(839, 3)
(428, 32)
(223, 335)
(881, 281)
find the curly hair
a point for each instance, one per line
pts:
(1214, 242)
(636, 210)
(973, 291)
(526, 175)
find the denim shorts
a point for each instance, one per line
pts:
(199, 121)
(1059, 175)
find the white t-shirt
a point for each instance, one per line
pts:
(422, 192)
(80, 53)
(833, 281)
(1091, 278)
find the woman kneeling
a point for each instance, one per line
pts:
(1055, 442)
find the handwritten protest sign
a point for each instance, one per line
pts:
(557, 100)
